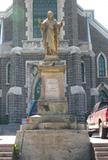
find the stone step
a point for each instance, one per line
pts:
(100, 145)
(101, 158)
(101, 149)
(6, 154)
(101, 154)
(6, 151)
(5, 158)
(6, 148)
(53, 125)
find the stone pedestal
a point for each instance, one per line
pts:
(52, 107)
(53, 145)
(52, 100)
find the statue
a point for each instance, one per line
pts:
(50, 29)
(35, 90)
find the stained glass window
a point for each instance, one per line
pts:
(101, 66)
(40, 9)
(103, 95)
(83, 71)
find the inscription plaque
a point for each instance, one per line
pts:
(52, 88)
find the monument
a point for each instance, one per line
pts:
(48, 134)
(51, 103)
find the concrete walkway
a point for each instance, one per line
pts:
(8, 133)
(9, 129)
(7, 139)
(96, 139)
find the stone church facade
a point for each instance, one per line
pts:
(83, 47)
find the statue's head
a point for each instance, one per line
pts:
(50, 15)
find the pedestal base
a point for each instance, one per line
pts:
(54, 145)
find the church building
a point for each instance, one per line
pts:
(83, 48)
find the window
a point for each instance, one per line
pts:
(83, 72)
(103, 95)
(8, 73)
(103, 105)
(40, 9)
(101, 65)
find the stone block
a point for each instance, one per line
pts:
(54, 145)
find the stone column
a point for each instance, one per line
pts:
(77, 95)
(94, 92)
(18, 22)
(71, 22)
(17, 93)
(1, 38)
(74, 62)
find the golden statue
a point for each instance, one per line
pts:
(50, 29)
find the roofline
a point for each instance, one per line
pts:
(7, 13)
(90, 14)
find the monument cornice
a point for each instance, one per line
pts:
(53, 69)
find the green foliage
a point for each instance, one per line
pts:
(16, 155)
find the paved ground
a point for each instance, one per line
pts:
(9, 129)
(95, 139)
(8, 133)
(7, 139)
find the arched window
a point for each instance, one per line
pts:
(40, 9)
(103, 91)
(83, 72)
(8, 73)
(101, 65)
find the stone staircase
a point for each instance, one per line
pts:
(7, 140)
(100, 151)
(6, 151)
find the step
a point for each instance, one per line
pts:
(102, 158)
(100, 149)
(5, 158)
(101, 154)
(6, 147)
(100, 145)
(6, 154)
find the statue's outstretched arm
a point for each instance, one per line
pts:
(60, 24)
(42, 26)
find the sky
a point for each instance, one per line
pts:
(99, 6)
(4, 4)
